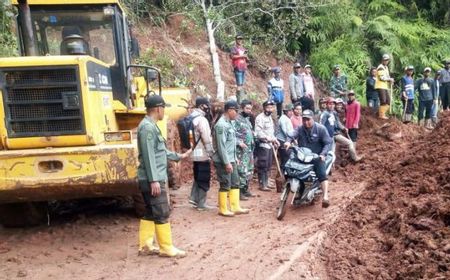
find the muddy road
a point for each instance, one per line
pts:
(103, 244)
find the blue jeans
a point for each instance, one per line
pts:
(434, 111)
(240, 77)
(320, 169)
(425, 107)
(373, 102)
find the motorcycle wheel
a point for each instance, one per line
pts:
(284, 198)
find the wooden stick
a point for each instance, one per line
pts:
(277, 162)
(390, 98)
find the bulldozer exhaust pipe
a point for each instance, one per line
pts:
(26, 28)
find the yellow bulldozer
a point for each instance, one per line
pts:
(69, 106)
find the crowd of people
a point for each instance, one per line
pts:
(237, 143)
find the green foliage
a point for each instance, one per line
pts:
(8, 45)
(357, 33)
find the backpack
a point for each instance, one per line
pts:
(186, 126)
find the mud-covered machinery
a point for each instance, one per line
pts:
(70, 103)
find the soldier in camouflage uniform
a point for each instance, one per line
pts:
(245, 145)
(338, 84)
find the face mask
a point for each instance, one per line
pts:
(206, 109)
(267, 113)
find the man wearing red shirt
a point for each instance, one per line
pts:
(352, 116)
(239, 60)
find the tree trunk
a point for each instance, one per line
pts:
(220, 94)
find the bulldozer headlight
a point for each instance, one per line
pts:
(108, 11)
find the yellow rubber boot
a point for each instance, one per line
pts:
(146, 235)
(223, 208)
(234, 203)
(385, 111)
(166, 248)
(382, 112)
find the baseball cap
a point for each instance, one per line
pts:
(386, 57)
(297, 65)
(268, 102)
(245, 102)
(330, 100)
(410, 67)
(154, 100)
(447, 61)
(308, 66)
(339, 100)
(336, 67)
(231, 104)
(351, 92)
(307, 114)
(276, 69)
(239, 36)
(201, 101)
(288, 107)
(427, 69)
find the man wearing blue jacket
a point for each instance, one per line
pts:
(314, 136)
(275, 89)
(407, 94)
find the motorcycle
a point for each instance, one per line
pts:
(301, 180)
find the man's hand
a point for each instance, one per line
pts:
(345, 130)
(276, 143)
(243, 146)
(287, 145)
(229, 168)
(186, 154)
(155, 189)
(391, 80)
(322, 158)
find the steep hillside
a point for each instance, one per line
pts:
(182, 49)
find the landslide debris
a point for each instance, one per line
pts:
(398, 228)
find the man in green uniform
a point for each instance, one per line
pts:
(225, 161)
(245, 145)
(338, 83)
(152, 175)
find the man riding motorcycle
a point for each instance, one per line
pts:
(315, 137)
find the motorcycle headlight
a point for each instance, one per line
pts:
(295, 183)
(309, 158)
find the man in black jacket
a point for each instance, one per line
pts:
(427, 94)
(315, 137)
(373, 101)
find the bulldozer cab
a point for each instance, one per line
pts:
(98, 30)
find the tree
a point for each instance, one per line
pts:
(285, 20)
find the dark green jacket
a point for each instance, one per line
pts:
(153, 153)
(338, 84)
(225, 140)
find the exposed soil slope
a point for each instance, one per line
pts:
(398, 228)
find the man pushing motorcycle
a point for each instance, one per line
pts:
(315, 137)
